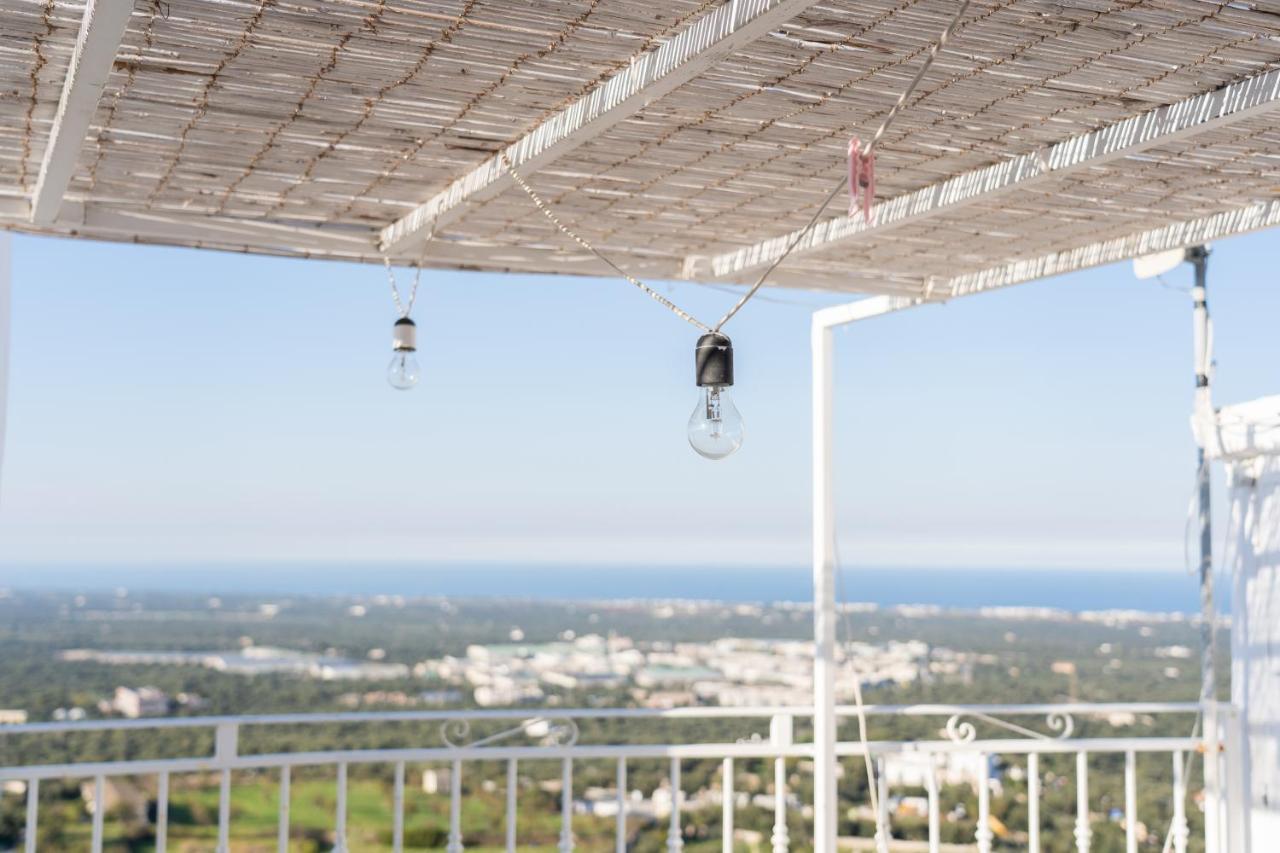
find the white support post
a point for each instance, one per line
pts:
(1203, 357)
(726, 806)
(713, 37)
(824, 598)
(282, 825)
(162, 812)
(1238, 799)
(101, 30)
(6, 278)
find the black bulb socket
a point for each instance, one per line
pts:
(713, 361)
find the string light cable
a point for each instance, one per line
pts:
(715, 427)
(401, 309)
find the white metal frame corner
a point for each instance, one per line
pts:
(825, 720)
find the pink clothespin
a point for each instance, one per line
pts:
(862, 179)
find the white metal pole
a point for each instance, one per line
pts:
(1198, 256)
(824, 599)
(6, 248)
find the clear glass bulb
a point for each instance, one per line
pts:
(715, 427)
(403, 371)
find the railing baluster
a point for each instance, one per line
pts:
(931, 788)
(781, 838)
(282, 826)
(512, 814)
(983, 835)
(620, 829)
(162, 812)
(781, 735)
(33, 812)
(340, 812)
(397, 817)
(675, 837)
(1181, 832)
(455, 808)
(1083, 833)
(566, 806)
(1130, 802)
(224, 812)
(99, 812)
(1033, 803)
(226, 746)
(883, 834)
(726, 807)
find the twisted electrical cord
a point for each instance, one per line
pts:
(405, 311)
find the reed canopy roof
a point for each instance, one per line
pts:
(685, 139)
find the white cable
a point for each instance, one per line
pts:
(906, 93)
(395, 290)
(581, 241)
(934, 50)
(873, 794)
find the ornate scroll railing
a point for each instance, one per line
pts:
(469, 743)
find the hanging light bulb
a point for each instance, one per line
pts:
(715, 427)
(403, 371)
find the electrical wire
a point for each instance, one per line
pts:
(873, 792)
(584, 243)
(906, 93)
(934, 50)
(405, 311)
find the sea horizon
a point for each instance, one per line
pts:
(1073, 590)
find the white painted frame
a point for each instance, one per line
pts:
(101, 31)
(6, 290)
(1231, 104)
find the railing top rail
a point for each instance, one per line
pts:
(753, 749)
(708, 712)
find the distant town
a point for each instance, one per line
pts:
(730, 671)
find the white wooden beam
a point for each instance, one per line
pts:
(700, 45)
(1230, 104)
(225, 233)
(1193, 232)
(101, 30)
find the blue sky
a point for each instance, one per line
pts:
(169, 405)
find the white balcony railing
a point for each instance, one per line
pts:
(470, 741)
